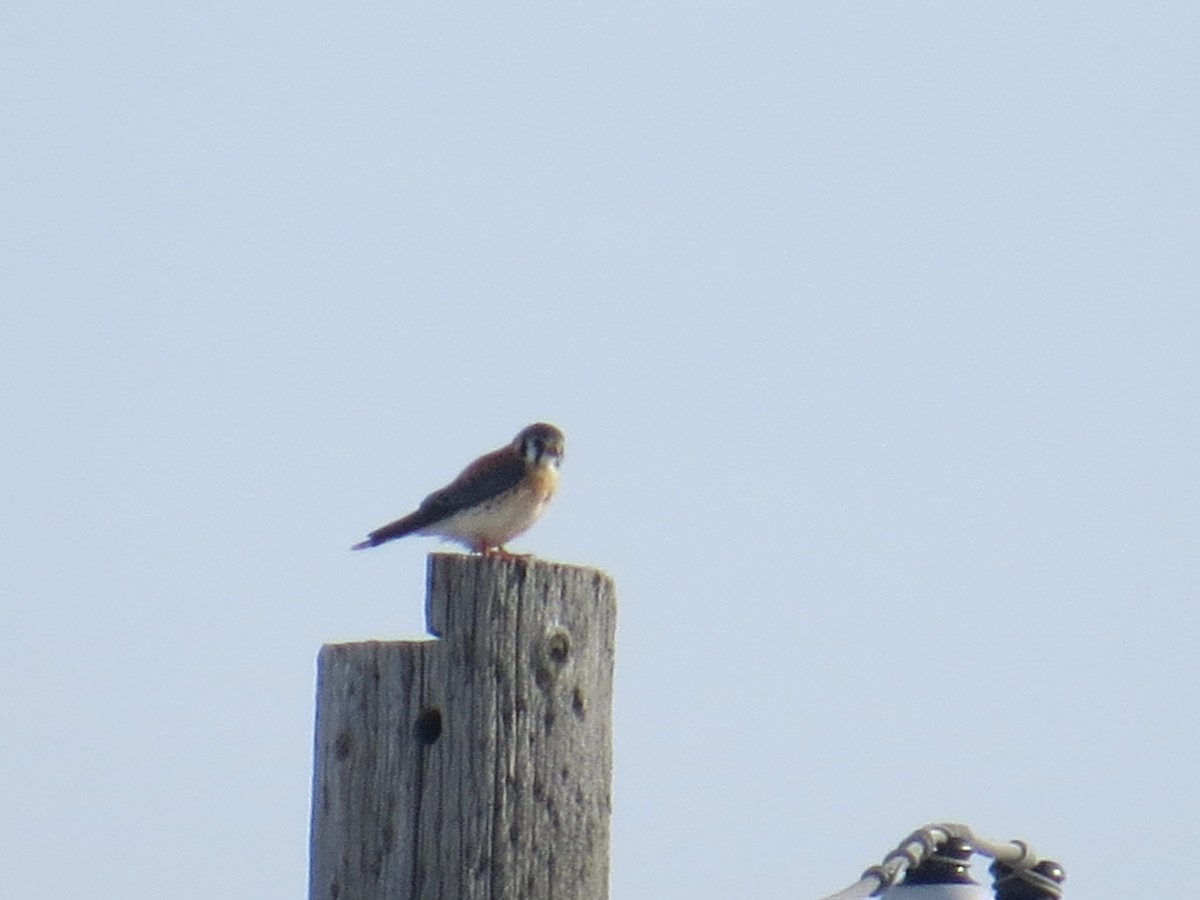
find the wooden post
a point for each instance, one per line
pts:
(477, 766)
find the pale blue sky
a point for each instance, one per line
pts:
(873, 329)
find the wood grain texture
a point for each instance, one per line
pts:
(476, 766)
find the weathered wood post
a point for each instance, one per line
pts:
(476, 766)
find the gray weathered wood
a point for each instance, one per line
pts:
(477, 766)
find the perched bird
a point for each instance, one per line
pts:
(494, 499)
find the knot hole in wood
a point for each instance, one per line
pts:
(556, 647)
(554, 655)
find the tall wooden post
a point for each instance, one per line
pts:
(476, 766)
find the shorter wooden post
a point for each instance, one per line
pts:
(477, 766)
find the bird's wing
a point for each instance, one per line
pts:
(487, 477)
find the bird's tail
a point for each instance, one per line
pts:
(398, 529)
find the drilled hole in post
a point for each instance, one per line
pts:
(428, 727)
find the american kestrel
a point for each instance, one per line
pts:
(494, 499)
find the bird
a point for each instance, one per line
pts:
(494, 499)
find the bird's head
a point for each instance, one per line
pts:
(541, 444)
